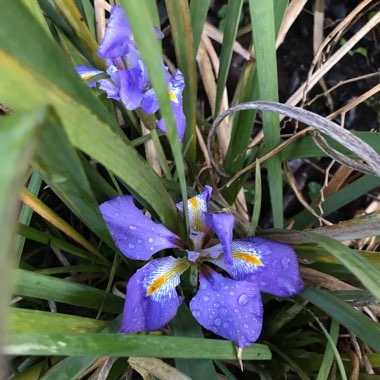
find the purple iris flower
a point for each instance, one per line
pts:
(227, 303)
(128, 80)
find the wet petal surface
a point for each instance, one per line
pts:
(152, 300)
(229, 308)
(222, 225)
(272, 265)
(137, 236)
(131, 88)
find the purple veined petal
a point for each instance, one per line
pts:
(177, 82)
(222, 225)
(131, 88)
(137, 236)
(149, 102)
(109, 87)
(117, 39)
(152, 300)
(232, 309)
(87, 72)
(133, 58)
(198, 206)
(179, 116)
(271, 265)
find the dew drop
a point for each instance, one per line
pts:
(132, 227)
(232, 293)
(245, 326)
(216, 304)
(243, 299)
(285, 263)
(236, 310)
(150, 240)
(206, 298)
(217, 321)
(131, 246)
(196, 313)
(220, 226)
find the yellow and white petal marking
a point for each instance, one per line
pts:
(163, 276)
(173, 96)
(247, 257)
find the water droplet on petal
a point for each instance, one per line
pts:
(245, 326)
(131, 246)
(232, 293)
(285, 263)
(206, 298)
(217, 321)
(150, 240)
(236, 310)
(132, 227)
(216, 304)
(196, 313)
(243, 299)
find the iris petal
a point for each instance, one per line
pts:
(137, 236)
(131, 88)
(87, 72)
(222, 225)
(272, 265)
(198, 207)
(149, 102)
(117, 39)
(229, 308)
(152, 300)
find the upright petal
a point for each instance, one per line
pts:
(177, 82)
(152, 300)
(131, 88)
(87, 72)
(271, 265)
(222, 225)
(229, 308)
(117, 37)
(137, 236)
(198, 207)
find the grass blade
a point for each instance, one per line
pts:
(263, 28)
(179, 17)
(232, 22)
(142, 25)
(129, 345)
(18, 138)
(198, 14)
(353, 320)
(30, 284)
(366, 272)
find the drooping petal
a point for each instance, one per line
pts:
(271, 265)
(110, 89)
(131, 88)
(222, 225)
(198, 206)
(152, 300)
(179, 116)
(229, 308)
(137, 236)
(149, 102)
(117, 37)
(87, 72)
